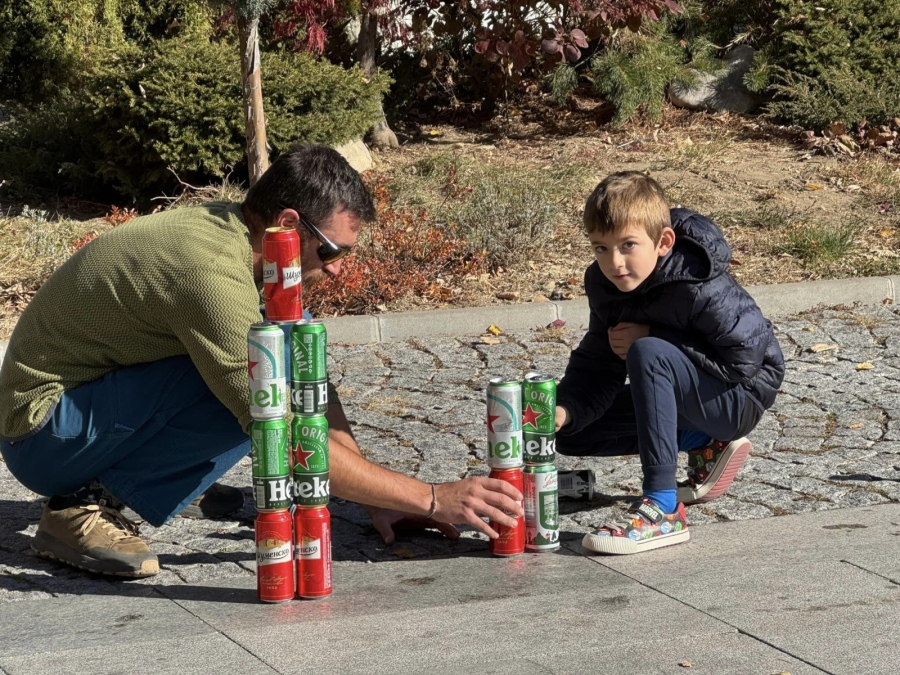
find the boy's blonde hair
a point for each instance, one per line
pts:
(627, 198)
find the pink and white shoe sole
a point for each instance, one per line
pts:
(719, 480)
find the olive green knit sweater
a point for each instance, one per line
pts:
(173, 283)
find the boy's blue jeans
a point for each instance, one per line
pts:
(154, 434)
(668, 394)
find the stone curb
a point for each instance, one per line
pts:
(775, 300)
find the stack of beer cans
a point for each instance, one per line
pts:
(504, 455)
(521, 433)
(293, 526)
(541, 484)
(309, 430)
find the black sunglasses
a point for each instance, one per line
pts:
(328, 251)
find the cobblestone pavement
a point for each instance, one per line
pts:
(831, 441)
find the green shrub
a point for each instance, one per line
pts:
(634, 71)
(47, 46)
(145, 115)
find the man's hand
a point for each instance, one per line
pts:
(466, 501)
(388, 522)
(623, 335)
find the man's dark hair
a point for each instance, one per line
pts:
(314, 179)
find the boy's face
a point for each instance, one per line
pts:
(629, 256)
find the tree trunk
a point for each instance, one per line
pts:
(254, 117)
(381, 134)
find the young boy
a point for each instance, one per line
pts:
(702, 361)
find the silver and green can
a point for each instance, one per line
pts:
(539, 418)
(504, 423)
(265, 365)
(271, 467)
(309, 368)
(541, 508)
(576, 485)
(309, 436)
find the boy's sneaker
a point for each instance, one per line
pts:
(94, 537)
(646, 529)
(712, 468)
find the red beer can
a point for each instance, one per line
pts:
(282, 277)
(512, 539)
(312, 532)
(274, 559)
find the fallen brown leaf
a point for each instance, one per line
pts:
(865, 365)
(855, 425)
(494, 330)
(685, 664)
(507, 296)
(488, 340)
(822, 347)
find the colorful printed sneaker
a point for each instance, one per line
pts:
(712, 468)
(648, 528)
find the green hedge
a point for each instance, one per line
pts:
(176, 107)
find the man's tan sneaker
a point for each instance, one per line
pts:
(95, 538)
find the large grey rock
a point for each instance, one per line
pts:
(723, 90)
(357, 154)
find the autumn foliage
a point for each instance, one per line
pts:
(402, 254)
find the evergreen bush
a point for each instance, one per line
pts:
(144, 115)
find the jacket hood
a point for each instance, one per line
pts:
(700, 252)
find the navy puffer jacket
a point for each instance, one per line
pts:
(690, 300)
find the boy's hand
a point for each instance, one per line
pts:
(623, 335)
(562, 416)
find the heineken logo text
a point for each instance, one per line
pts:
(506, 449)
(316, 488)
(268, 397)
(545, 447)
(277, 490)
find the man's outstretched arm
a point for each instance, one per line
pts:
(397, 497)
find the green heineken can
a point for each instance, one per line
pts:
(265, 365)
(271, 467)
(309, 444)
(541, 508)
(309, 368)
(539, 418)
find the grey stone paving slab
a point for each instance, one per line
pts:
(883, 563)
(790, 578)
(211, 654)
(404, 585)
(726, 655)
(509, 629)
(106, 621)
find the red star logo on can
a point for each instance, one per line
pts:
(301, 456)
(530, 416)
